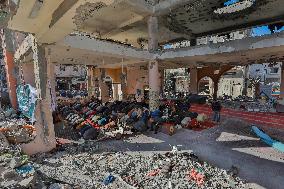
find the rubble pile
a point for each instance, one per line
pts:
(17, 131)
(122, 170)
(16, 169)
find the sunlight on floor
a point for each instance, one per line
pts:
(263, 152)
(227, 137)
(143, 139)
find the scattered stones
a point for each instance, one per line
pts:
(169, 170)
(59, 186)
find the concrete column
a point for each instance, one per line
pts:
(104, 88)
(282, 82)
(154, 85)
(45, 138)
(215, 88)
(115, 92)
(90, 75)
(52, 84)
(193, 80)
(8, 52)
(245, 88)
(123, 77)
(154, 76)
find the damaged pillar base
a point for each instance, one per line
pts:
(154, 100)
(45, 136)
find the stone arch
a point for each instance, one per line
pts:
(205, 86)
(214, 72)
(231, 85)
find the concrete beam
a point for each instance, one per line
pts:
(105, 48)
(270, 41)
(124, 63)
(61, 10)
(23, 48)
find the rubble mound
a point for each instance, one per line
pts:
(124, 170)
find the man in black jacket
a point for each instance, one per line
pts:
(216, 108)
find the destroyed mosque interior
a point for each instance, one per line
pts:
(142, 94)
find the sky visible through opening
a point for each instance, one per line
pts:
(263, 30)
(256, 31)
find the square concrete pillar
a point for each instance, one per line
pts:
(44, 74)
(154, 85)
(115, 92)
(103, 87)
(154, 76)
(90, 76)
(193, 80)
(51, 79)
(123, 77)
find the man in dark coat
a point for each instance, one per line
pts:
(216, 108)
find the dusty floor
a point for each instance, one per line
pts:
(231, 144)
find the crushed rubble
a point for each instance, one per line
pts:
(123, 170)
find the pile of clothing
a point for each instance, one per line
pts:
(200, 123)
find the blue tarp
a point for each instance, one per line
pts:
(268, 140)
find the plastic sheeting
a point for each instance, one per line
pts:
(27, 96)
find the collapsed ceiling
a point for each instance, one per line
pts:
(126, 21)
(212, 16)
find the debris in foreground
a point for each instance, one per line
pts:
(126, 170)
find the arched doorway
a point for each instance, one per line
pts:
(231, 83)
(206, 86)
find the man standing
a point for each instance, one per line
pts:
(216, 108)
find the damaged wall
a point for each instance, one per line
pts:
(137, 78)
(28, 73)
(86, 11)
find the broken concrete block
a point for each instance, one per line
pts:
(27, 182)
(15, 162)
(59, 186)
(3, 142)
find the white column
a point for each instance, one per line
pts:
(115, 92)
(154, 76)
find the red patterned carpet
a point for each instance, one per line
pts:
(275, 120)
